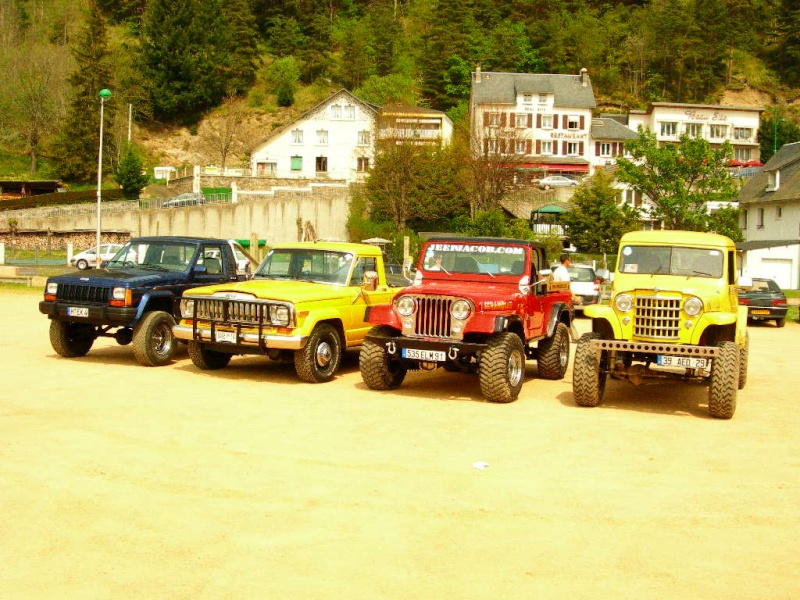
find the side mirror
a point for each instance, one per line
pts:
(370, 281)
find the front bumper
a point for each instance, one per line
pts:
(98, 314)
(453, 349)
(246, 341)
(655, 348)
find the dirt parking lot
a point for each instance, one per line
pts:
(120, 481)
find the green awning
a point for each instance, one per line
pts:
(550, 209)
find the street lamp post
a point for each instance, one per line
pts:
(104, 93)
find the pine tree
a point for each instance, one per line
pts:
(78, 143)
(129, 175)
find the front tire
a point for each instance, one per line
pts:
(588, 374)
(71, 340)
(377, 371)
(208, 360)
(724, 382)
(553, 354)
(743, 360)
(82, 264)
(153, 341)
(319, 360)
(502, 368)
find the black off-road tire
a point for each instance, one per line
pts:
(319, 360)
(502, 368)
(724, 382)
(71, 340)
(553, 354)
(377, 371)
(780, 322)
(588, 375)
(154, 343)
(82, 264)
(208, 360)
(744, 354)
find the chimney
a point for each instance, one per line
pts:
(478, 73)
(584, 77)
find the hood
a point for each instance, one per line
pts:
(274, 289)
(123, 277)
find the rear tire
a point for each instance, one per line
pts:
(553, 354)
(588, 375)
(153, 341)
(724, 382)
(82, 264)
(377, 371)
(502, 368)
(208, 360)
(319, 360)
(71, 340)
(780, 322)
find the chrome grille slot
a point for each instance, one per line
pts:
(209, 309)
(657, 318)
(83, 293)
(433, 316)
(245, 312)
(242, 312)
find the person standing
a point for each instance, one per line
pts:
(560, 273)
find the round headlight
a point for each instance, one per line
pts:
(623, 302)
(693, 306)
(187, 308)
(405, 305)
(460, 310)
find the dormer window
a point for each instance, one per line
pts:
(773, 180)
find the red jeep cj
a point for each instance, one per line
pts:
(476, 305)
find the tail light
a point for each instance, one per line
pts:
(779, 302)
(744, 301)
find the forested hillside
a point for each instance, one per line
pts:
(252, 65)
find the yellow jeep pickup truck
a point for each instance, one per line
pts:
(306, 303)
(673, 315)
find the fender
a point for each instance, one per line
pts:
(154, 295)
(604, 313)
(555, 316)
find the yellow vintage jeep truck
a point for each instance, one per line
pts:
(673, 314)
(306, 303)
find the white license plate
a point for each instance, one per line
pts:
(77, 311)
(430, 355)
(688, 362)
(226, 337)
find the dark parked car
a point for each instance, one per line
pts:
(765, 301)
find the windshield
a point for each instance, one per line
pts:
(307, 264)
(671, 260)
(475, 258)
(158, 256)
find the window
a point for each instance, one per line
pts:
(669, 128)
(350, 112)
(521, 146)
(297, 136)
(741, 154)
(297, 163)
(322, 164)
(773, 180)
(547, 121)
(521, 120)
(527, 98)
(363, 264)
(322, 137)
(542, 98)
(573, 122)
(760, 223)
(694, 129)
(494, 119)
(778, 213)
(336, 111)
(744, 220)
(492, 145)
(718, 132)
(362, 164)
(547, 147)
(573, 148)
(742, 133)
(605, 149)
(363, 138)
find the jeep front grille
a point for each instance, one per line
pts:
(433, 316)
(657, 318)
(83, 293)
(242, 312)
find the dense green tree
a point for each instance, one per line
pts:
(725, 221)
(129, 175)
(596, 220)
(774, 131)
(678, 179)
(193, 55)
(78, 143)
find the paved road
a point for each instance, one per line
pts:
(120, 481)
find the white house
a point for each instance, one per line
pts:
(770, 219)
(334, 139)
